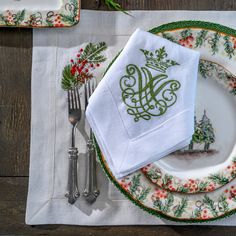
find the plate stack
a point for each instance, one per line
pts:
(197, 183)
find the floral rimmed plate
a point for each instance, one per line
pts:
(43, 13)
(209, 162)
(216, 44)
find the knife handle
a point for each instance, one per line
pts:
(91, 191)
(72, 185)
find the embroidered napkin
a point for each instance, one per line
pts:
(143, 109)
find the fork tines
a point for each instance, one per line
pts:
(73, 99)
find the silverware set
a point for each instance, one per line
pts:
(91, 191)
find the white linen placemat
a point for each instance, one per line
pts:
(50, 130)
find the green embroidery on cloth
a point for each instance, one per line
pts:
(145, 94)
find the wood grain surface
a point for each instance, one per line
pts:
(15, 78)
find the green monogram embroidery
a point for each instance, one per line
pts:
(146, 95)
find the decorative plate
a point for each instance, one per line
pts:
(209, 161)
(43, 13)
(212, 152)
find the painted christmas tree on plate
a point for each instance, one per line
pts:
(203, 137)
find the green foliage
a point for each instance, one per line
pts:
(205, 67)
(135, 183)
(219, 179)
(19, 17)
(169, 37)
(152, 174)
(49, 23)
(207, 129)
(166, 179)
(2, 18)
(214, 43)
(203, 132)
(229, 49)
(223, 204)
(198, 135)
(136, 187)
(92, 52)
(169, 202)
(68, 18)
(233, 91)
(196, 213)
(210, 205)
(186, 33)
(182, 189)
(115, 6)
(157, 61)
(202, 186)
(178, 212)
(201, 36)
(165, 205)
(73, 10)
(68, 80)
(143, 194)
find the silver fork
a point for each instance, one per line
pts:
(91, 191)
(74, 110)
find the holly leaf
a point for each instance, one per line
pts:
(68, 80)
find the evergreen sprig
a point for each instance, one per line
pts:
(152, 174)
(219, 179)
(181, 207)
(19, 17)
(115, 6)
(164, 206)
(201, 36)
(135, 183)
(80, 70)
(68, 80)
(202, 186)
(169, 202)
(223, 204)
(166, 179)
(142, 196)
(92, 52)
(210, 205)
(229, 49)
(214, 42)
(186, 33)
(169, 37)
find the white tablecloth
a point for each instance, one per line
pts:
(50, 130)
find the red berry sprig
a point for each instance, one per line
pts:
(82, 69)
(188, 41)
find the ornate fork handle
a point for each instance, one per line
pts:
(91, 191)
(72, 192)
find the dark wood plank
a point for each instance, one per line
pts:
(15, 77)
(14, 141)
(168, 4)
(12, 216)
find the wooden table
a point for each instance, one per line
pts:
(15, 78)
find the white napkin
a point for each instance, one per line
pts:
(143, 109)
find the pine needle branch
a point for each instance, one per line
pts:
(115, 6)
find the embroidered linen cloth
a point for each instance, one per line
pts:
(52, 50)
(143, 109)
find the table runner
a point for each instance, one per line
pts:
(50, 130)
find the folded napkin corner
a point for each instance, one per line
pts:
(143, 109)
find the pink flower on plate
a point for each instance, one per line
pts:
(159, 194)
(125, 185)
